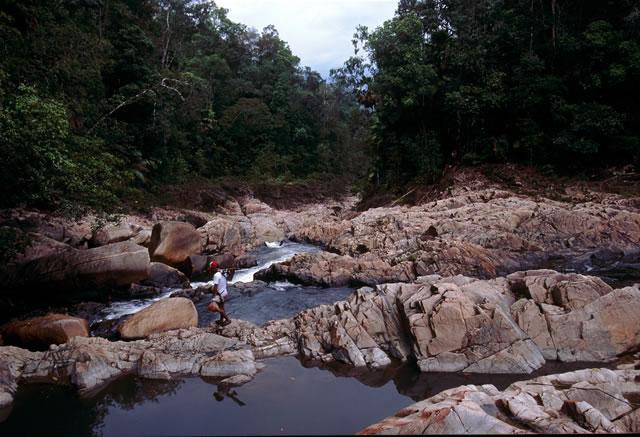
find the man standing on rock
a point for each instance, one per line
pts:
(219, 294)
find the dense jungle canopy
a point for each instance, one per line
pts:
(101, 100)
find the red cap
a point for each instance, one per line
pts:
(213, 265)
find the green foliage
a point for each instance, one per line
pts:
(12, 242)
(46, 165)
(545, 83)
(34, 134)
(99, 100)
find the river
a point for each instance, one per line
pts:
(287, 397)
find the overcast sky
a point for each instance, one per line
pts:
(319, 32)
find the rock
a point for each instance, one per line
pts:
(547, 405)
(164, 315)
(481, 232)
(137, 291)
(200, 265)
(41, 246)
(40, 332)
(595, 326)
(114, 234)
(143, 238)
(89, 363)
(328, 269)
(108, 328)
(245, 261)
(267, 228)
(162, 275)
(226, 235)
(253, 206)
(173, 242)
(452, 324)
(113, 265)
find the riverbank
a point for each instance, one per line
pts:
(453, 285)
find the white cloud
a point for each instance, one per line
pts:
(319, 32)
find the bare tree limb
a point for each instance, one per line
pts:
(137, 96)
(172, 88)
(126, 102)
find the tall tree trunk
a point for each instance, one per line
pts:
(103, 19)
(531, 28)
(553, 23)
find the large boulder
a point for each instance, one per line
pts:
(231, 235)
(200, 265)
(113, 265)
(173, 242)
(164, 315)
(40, 332)
(162, 275)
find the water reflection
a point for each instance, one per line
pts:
(409, 381)
(286, 397)
(225, 391)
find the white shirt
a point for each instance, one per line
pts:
(219, 279)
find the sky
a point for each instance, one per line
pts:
(319, 32)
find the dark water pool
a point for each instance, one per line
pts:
(285, 398)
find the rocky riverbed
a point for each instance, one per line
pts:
(452, 284)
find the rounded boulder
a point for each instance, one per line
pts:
(173, 242)
(164, 315)
(39, 333)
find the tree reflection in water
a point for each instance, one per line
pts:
(128, 391)
(286, 394)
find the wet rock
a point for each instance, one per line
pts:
(108, 328)
(89, 363)
(332, 270)
(40, 332)
(162, 275)
(245, 261)
(194, 294)
(163, 315)
(86, 310)
(138, 291)
(249, 288)
(200, 265)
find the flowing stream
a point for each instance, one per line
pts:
(287, 397)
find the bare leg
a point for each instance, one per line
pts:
(223, 312)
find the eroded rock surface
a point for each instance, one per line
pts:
(88, 363)
(584, 401)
